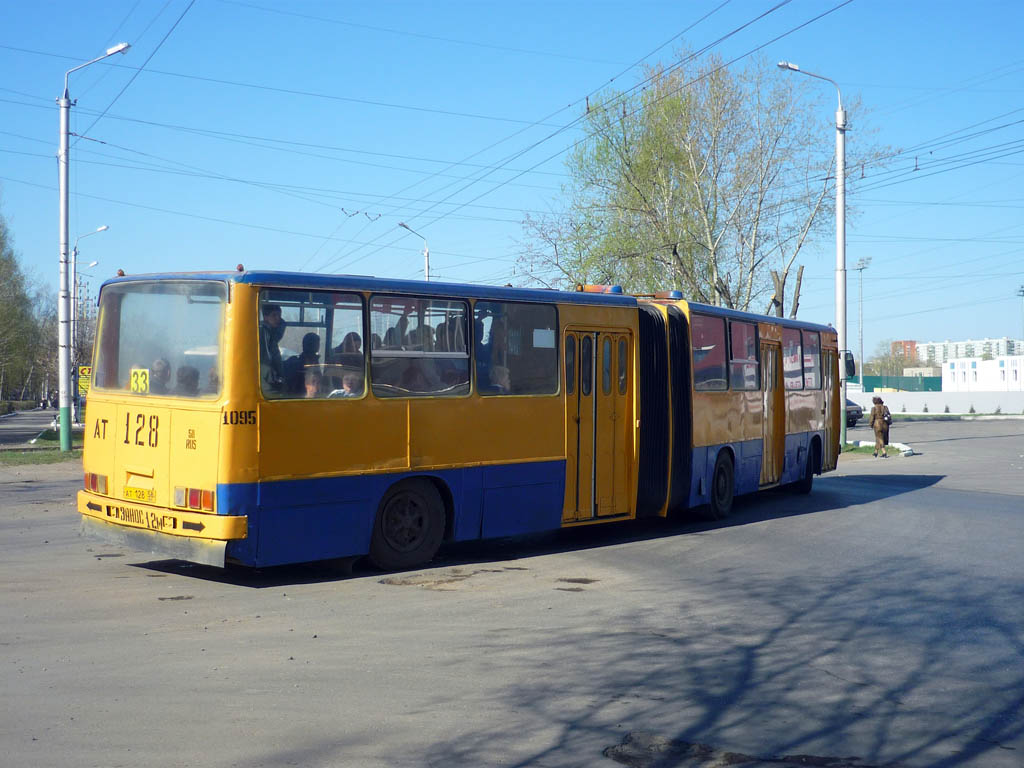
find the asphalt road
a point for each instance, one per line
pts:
(876, 622)
(22, 426)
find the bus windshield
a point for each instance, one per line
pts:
(160, 338)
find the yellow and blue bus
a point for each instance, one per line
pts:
(265, 418)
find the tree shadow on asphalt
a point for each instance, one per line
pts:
(893, 664)
(829, 494)
(897, 663)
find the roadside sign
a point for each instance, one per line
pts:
(84, 378)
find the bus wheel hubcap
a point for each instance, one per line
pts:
(405, 522)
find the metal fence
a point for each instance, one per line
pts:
(902, 383)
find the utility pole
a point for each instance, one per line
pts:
(841, 128)
(1020, 292)
(426, 250)
(64, 104)
(860, 267)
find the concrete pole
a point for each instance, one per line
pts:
(73, 277)
(1020, 292)
(63, 297)
(426, 249)
(841, 257)
(840, 236)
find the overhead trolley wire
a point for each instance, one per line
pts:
(579, 118)
(139, 70)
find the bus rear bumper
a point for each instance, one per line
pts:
(201, 551)
(197, 538)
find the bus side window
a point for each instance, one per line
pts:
(743, 373)
(709, 353)
(299, 350)
(623, 370)
(792, 359)
(812, 360)
(409, 361)
(586, 364)
(570, 365)
(516, 348)
(606, 366)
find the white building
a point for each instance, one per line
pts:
(1003, 374)
(936, 352)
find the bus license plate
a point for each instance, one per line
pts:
(139, 494)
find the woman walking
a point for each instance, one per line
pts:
(880, 421)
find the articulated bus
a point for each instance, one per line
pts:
(265, 418)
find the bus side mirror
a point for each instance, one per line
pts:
(851, 365)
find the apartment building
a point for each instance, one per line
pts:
(938, 352)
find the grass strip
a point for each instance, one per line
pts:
(13, 458)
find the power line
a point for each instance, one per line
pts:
(581, 117)
(148, 59)
(472, 43)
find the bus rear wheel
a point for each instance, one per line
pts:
(409, 526)
(723, 487)
(807, 482)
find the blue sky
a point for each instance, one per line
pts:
(297, 135)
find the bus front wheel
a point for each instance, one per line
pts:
(409, 525)
(723, 487)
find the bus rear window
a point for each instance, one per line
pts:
(160, 338)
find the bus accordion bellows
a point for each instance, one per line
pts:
(265, 418)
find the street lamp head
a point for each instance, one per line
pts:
(103, 228)
(403, 225)
(119, 48)
(92, 264)
(788, 65)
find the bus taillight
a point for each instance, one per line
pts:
(194, 498)
(96, 483)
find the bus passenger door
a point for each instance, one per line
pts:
(829, 387)
(595, 415)
(773, 427)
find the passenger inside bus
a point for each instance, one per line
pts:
(159, 376)
(188, 381)
(352, 385)
(350, 344)
(312, 382)
(272, 330)
(395, 338)
(295, 366)
(492, 372)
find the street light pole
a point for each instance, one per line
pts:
(426, 250)
(1020, 292)
(840, 235)
(74, 291)
(64, 300)
(861, 266)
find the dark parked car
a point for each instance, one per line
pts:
(854, 413)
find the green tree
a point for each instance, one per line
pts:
(17, 320)
(710, 180)
(28, 328)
